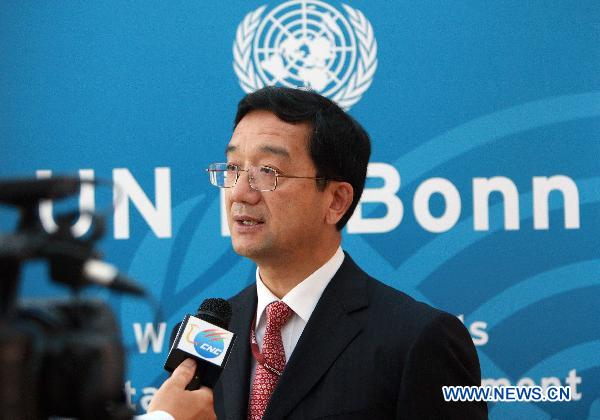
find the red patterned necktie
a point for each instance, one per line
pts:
(272, 351)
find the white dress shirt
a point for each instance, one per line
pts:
(302, 299)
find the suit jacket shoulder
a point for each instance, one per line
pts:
(434, 349)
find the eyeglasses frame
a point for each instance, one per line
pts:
(277, 175)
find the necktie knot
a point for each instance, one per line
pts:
(278, 314)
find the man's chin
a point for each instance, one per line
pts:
(248, 250)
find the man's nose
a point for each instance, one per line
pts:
(241, 192)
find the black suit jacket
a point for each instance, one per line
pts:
(367, 352)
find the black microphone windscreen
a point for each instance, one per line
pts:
(217, 311)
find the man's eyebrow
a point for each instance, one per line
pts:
(280, 151)
(275, 150)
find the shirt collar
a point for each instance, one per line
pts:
(303, 298)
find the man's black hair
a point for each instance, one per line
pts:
(338, 145)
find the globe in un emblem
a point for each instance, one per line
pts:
(307, 44)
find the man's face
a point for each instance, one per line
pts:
(284, 223)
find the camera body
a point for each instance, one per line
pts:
(62, 358)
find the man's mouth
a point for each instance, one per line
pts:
(250, 222)
(247, 220)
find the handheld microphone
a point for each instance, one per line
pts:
(205, 339)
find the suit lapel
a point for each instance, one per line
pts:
(332, 326)
(236, 376)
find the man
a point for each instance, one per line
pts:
(317, 336)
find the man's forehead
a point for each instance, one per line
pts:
(263, 132)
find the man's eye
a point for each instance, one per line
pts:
(267, 171)
(231, 167)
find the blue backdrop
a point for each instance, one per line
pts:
(462, 100)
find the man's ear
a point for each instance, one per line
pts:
(341, 194)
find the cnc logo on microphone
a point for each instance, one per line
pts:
(308, 44)
(208, 343)
(204, 340)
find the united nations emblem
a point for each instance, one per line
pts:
(308, 44)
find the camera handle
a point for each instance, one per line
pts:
(10, 269)
(11, 256)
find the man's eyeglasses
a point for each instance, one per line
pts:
(261, 178)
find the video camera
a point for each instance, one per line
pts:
(57, 358)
